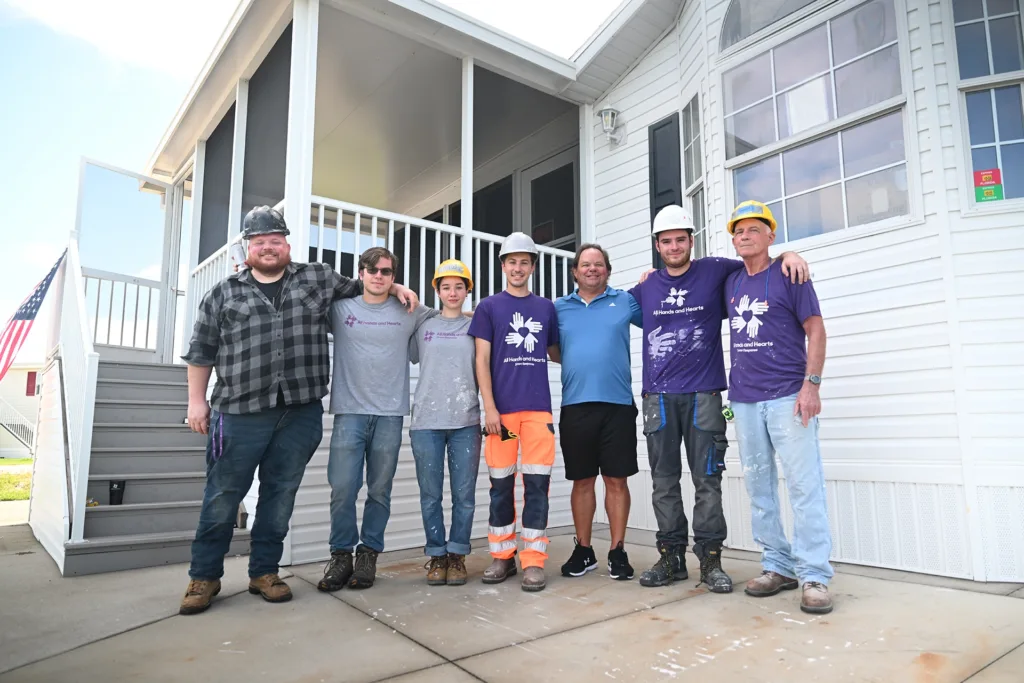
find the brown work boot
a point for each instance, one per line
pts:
(457, 573)
(271, 587)
(533, 579)
(437, 571)
(770, 583)
(500, 570)
(816, 599)
(198, 596)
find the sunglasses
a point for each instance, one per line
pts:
(386, 272)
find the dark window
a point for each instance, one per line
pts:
(30, 384)
(665, 171)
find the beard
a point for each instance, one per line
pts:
(282, 264)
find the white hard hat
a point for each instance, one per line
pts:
(672, 217)
(517, 243)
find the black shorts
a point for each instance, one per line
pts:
(598, 438)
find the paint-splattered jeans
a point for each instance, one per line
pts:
(279, 441)
(763, 430)
(463, 446)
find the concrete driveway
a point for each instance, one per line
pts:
(889, 627)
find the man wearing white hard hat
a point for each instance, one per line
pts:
(514, 331)
(683, 306)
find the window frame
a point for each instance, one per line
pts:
(695, 189)
(799, 23)
(968, 203)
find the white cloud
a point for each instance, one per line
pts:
(174, 37)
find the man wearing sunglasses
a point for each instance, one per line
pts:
(369, 399)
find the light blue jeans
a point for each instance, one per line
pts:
(763, 430)
(463, 446)
(372, 440)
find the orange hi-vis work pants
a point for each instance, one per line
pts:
(535, 433)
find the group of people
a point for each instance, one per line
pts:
(265, 329)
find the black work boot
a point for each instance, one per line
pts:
(337, 573)
(671, 566)
(365, 571)
(711, 572)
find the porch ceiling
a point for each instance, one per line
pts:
(388, 114)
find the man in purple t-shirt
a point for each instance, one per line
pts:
(515, 330)
(773, 389)
(683, 379)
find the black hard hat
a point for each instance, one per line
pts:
(263, 220)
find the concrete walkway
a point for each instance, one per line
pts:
(889, 627)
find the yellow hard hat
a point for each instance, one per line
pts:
(453, 268)
(751, 209)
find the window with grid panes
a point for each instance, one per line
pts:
(849, 174)
(693, 174)
(990, 59)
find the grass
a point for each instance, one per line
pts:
(14, 462)
(15, 486)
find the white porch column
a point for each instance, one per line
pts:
(198, 175)
(298, 168)
(588, 224)
(467, 164)
(238, 159)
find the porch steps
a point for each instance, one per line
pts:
(140, 437)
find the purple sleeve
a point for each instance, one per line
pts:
(552, 326)
(635, 292)
(481, 327)
(804, 300)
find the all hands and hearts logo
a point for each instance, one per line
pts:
(518, 325)
(676, 297)
(428, 335)
(752, 322)
(351, 320)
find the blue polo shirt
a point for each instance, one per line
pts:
(594, 341)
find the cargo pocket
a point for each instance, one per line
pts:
(707, 412)
(715, 458)
(654, 413)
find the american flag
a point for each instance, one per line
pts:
(18, 327)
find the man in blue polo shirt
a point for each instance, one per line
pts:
(598, 420)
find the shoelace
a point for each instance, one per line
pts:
(195, 588)
(815, 585)
(456, 563)
(434, 562)
(363, 561)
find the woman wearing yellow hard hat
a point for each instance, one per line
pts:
(446, 419)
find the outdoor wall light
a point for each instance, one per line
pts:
(609, 123)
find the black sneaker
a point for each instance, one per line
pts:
(618, 564)
(671, 566)
(711, 572)
(365, 571)
(338, 571)
(582, 561)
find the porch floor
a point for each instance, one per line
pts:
(888, 626)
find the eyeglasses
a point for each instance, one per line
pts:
(386, 272)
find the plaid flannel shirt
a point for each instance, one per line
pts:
(258, 350)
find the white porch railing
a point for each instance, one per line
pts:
(341, 231)
(126, 309)
(80, 363)
(17, 424)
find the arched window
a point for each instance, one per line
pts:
(747, 17)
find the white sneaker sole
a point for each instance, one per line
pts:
(590, 568)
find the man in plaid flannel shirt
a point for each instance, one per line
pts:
(265, 330)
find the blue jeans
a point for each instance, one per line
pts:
(428, 447)
(280, 441)
(356, 439)
(762, 430)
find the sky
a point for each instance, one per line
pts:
(102, 79)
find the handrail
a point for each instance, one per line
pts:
(17, 424)
(81, 363)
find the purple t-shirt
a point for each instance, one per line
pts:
(682, 327)
(520, 330)
(768, 346)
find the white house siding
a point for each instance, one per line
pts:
(12, 390)
(924, 371)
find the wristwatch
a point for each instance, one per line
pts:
(814, 379)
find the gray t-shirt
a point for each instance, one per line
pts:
(446, 394)
(371, 356)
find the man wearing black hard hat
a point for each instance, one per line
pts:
(265, 330)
